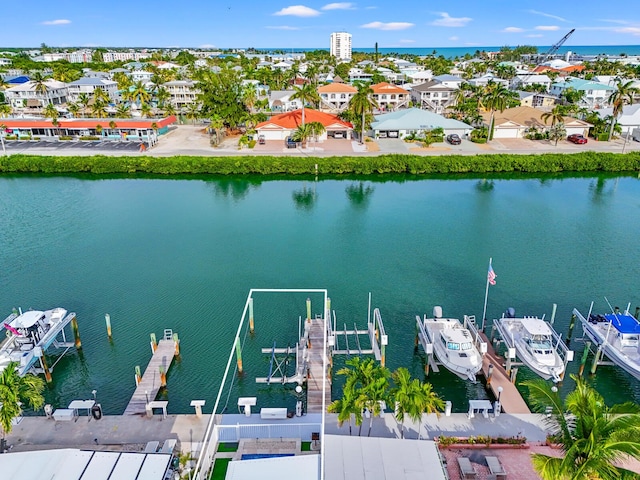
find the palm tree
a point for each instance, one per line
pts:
(83, 101)
(73, 108)
(193, 112)
(40, 83)
(556, 116)
(98, 109)
(316, 129)
(139, 93)
(302, 134)
(361, 104)
(593, 436)
(162, 95)
(494, 99)
(145, 110)
(306, 93)
(412, 398)
(623, 95)
(113, 125)
(123, 110)
(16, 391)
(5, 110)
(50, 112)
(217, 124)
(100, 94)
(169, 109)
(346, 407)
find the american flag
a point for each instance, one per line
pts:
(491, 276)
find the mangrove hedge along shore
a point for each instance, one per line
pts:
(364, 165)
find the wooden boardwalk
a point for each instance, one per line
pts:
(316, 372)
(150, 383)
(510, 398)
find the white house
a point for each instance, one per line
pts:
(335, 97)
(141, 76)
(359, 75)
(595, 94)
(26, 95)
(88, 85)
(183, 92)
(5, 61)
(486, 78)
(520, 81)
(628, 120)
(449, 80)
(434, 96)
(280, 100)
(414, 120)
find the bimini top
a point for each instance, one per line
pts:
(623, 323)
(536, 326)
(27, 319)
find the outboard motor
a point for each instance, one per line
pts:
(510, 313)
(96, 411)
(437, 312)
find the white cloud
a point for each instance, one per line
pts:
(339, 6)
(207, 45)
(632, 30)
(535, 35)
(454, 38)
(388, 26)
(449, 21)
(548, 28)
(282, 27)
(61, 21)
(406, 40)
(548, 15)
(513, 30)
(298, 11)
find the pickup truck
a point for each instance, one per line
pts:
(290, 143)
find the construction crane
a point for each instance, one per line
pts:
(552, 51)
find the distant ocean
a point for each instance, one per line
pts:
(452, 52)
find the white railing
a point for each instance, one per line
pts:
(234, 433)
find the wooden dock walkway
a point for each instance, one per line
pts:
(316, 372)
(150, 382)
(510, 398)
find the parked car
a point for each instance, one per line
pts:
(261, 140)
(290, 143)
(576, 138)
(454, 139)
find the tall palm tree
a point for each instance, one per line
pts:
(98, 109)
(193, 112)
(556, 115)
(412, 398)
(123, 110)
(169, 109)
(494, 99)
(217, 124)
(140, 93)
(306, 93)
(73, 108)
(619, 98)
(50, 112)
(316, 129)
(593, 436)
(16, 391)
(361, 104)
(40, 83)
(347, 407)
(83, 101)
(145, 110)
(100, 94)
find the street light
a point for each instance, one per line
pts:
(146, 394)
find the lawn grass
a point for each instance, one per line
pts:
(227, 447)
(220, 469)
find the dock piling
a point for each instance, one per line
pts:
(514, 375)
(176, 341)
(572, 324)
(583, 361)
(251, 322)
(76, 333)
(596, 360)
(239, 355)
(490, 374)
(553, 313)
(45, 368)
(308, 310)
(154, 343)
(138, 375)
(107, 319)
(163, 376)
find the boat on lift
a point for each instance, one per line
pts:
(455, 343)
(617, 334)
(536, 344)
(29, 335)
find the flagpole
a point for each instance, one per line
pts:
(486, 296)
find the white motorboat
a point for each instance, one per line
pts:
(29, 335)
(536, 344)
(455, 344)
(617, 334)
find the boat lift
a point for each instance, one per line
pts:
(469, 322)
(279, 364)
(510, 353)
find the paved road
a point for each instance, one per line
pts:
(72, 148)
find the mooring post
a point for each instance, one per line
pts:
(493, 332)
(45, 368)
(382, 354)
(489, 373)
(572, 323)
(309, 310)
(176, 342)
(514, 374)
(107, 318)
(76, 332)
(596, 360)
(163, 376)
(154, 343)
(583, 361)
(427, 365)
(138, 375)
(553, 313)
(239, 355)
(251, 322)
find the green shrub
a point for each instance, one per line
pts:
(65, 137)
(602, 137)
(25, 137)
(251, 144)
(478, 140)
(11, 137)
(89, 138)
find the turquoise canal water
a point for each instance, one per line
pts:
(183, 254)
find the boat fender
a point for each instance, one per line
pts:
(96, 411)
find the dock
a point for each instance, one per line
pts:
(316, 354)
(154, 375)
(510, 398)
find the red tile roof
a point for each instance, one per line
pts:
(292, 120)
(81, 123)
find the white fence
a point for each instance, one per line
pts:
(233, 433)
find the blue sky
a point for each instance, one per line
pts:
(303, 23)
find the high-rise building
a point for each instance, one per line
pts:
(341, 45)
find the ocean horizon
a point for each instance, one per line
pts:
(452, 52)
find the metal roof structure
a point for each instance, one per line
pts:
(75, 464)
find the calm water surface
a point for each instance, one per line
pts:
(183, 254)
